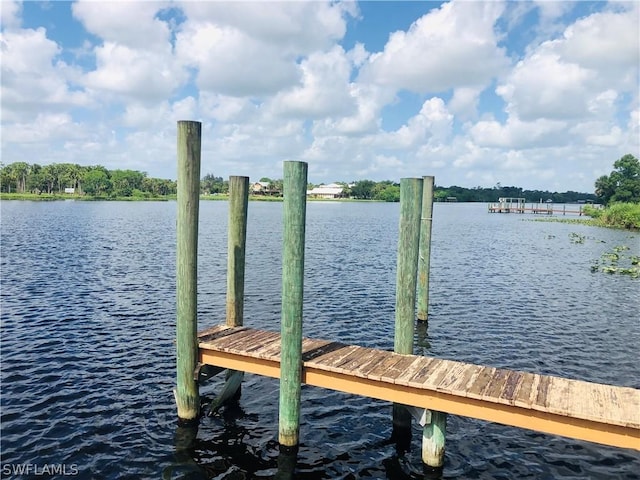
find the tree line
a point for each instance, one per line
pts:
(20, 177)
(96, 181)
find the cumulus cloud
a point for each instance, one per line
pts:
(134, 73)
(33, 78)
(10, 14)
(324, 90)
(294, 28)
(597, 55)
(453, 46)
(246, 49)
(133, 24)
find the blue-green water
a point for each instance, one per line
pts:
(88, 325)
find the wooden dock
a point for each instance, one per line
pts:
(594, 412)
(519, 205)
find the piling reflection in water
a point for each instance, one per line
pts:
(287, 459)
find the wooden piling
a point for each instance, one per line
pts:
(411, 192)
(433, 440)
(236, 249)
(188, 195)
(295, 197)
(425, 248)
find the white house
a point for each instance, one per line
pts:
(333, 190)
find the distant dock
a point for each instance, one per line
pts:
(519, 205)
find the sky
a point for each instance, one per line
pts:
(540, 94)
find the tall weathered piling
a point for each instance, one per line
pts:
(186, 392)
(406, 278)
(295, 198)
(425, 249)
(236, 249)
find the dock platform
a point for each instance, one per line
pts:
(577, 409)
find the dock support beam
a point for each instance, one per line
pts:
(425, 248)
(295, 198)
(188, 197)
(406, 278)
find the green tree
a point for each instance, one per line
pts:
(21, 171)
(124, 182)
(623, 184)
(8, 178)
(390, 193)
(96, 181)
(363, 189)
(211, 184)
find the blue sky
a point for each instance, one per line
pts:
(542, 95)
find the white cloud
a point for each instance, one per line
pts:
(453, 46)
(325, 87)
(133, 24)
(231, 62)
(518, 134)
(464, 102)
(252, 49)
(293, 28)
(134, 73)
(596, 58)
(432, 124)
(33, 79)
(10, 14)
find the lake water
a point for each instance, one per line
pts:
(88, 328)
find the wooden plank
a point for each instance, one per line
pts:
(437, 373)
(268, 351)
(512, 384)
(414, 369)
(540, 400)
(309, 345)
(240, 341)
(480, 382)
(334, 358)
(268, 339)
(457, 371)
(381, 367)
(373, 363)
(558, 395)
(365, 358)
(418, 379)
(494, 387)
(394, 371)
(458, 385)
(528, 388)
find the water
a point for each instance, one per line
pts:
(88, 355)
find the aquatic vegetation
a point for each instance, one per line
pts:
(615, 262)
(576, 238)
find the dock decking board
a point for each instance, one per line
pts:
(573, 408)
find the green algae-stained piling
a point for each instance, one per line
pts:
(295, 197)
(186, 393)
(236, 248)
(433, 440)
(407, 267)
(406, 278)
(425, 249)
